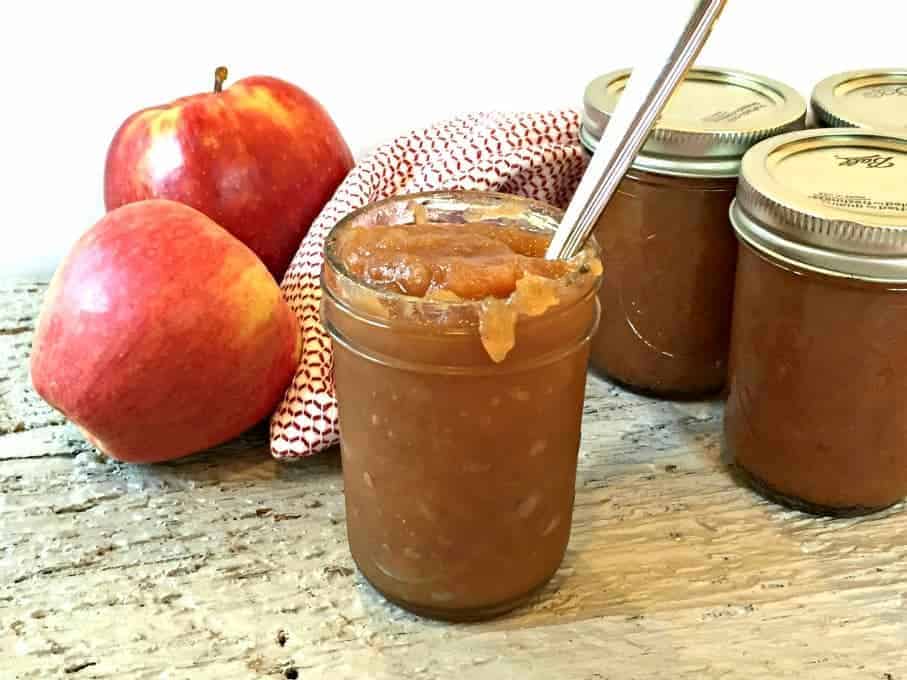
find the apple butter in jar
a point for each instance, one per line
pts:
(870, 98)
(816, 416)
(460, 359)
(665, 238)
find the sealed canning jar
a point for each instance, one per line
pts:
(460, 362)
(817, 410)
(666, 242)
(871, 98)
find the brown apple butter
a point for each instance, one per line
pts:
(469, 261)
(665, 236)
(817, 411)
(869, 98)
(666, 303)
(459, 364)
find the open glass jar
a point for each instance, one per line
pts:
(870, 98)
(459, 470)
(816, 416)
(666, 241)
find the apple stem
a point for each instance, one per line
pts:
(220, 75)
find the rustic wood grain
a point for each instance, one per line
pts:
(228, 564)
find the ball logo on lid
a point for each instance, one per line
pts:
(736, 114)
(875, 160)
(885, 91)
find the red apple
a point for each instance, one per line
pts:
(260, 158)
(161, 334)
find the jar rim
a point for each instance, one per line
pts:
(496, 369)
(545, 218)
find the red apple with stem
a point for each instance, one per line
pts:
(260, 158)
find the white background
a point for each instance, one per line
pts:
(72, 71)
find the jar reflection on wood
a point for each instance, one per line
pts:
(459, 471)
(667, 245)
(817, 409)
(870, 98)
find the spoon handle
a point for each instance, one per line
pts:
(650, 86)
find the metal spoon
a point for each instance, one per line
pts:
(650, 86)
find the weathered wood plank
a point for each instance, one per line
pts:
(233, 565)
(20, 408)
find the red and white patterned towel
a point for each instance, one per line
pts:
(530, 154)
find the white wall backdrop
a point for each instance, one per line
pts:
(72, 71)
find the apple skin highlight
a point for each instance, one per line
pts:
(260, 158)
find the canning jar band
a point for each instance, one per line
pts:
(826, 262)
(704, 168)
(488, 370)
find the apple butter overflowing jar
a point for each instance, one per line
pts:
(817, 411)
(665, 239)
(871, 98)
(460, 359)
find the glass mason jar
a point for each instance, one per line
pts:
(817, 409)
(459, 471)
(666, 240)
(870, 98)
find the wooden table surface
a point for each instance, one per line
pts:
(228, 564)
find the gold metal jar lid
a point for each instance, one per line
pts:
(712, 118)
(875, 98)
(832, 201)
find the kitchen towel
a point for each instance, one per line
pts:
(530, 154)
